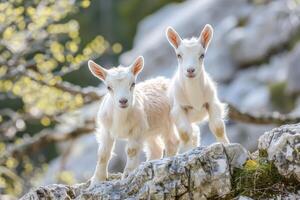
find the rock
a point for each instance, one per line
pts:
(246, 134)
(249, 88)
(199, 174)
(289, 196)
(245, 33)
(258, 101)
(202, 173)
(150, 23)
(243, 198)
(296, 111)
(268, 29)
(247, 92)
(274, 71)
(283, 146)
(189, 19)
(7, 197)
(243, 84)
(294, 71)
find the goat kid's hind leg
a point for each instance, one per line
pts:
(196, 135)
(216, 122)
(154, 148)
(184, 128)
(171, 142)
(106, 144)
(133, 149)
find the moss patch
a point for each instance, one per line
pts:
(263, 153)
(260, 179)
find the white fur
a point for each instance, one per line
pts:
(194, 97)
(144, 123)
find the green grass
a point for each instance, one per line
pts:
(260, 179)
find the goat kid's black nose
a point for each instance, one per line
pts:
(123, 101)
(190, 70)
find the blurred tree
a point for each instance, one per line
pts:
(39, 45)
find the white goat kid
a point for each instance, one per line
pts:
(137, 114)
(192, 91)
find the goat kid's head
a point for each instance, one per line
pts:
(190, 52)
(120, 81)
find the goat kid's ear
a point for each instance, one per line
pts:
(137, 66)
(173, 37)
(97, 70)
(206, 35)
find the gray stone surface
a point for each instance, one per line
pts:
(269, 27)
(294, 71)
(189, 19)
(243, 198)
(200, 174)
(283, 148)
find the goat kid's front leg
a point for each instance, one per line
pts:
(216, 122)
(184, 129)
(106, 144)
(133, 149)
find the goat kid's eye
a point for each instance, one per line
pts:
(179, 56)
(201, 56)
(109, 88)
(132, 85)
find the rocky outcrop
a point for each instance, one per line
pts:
(282, 146)
(202, 173)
